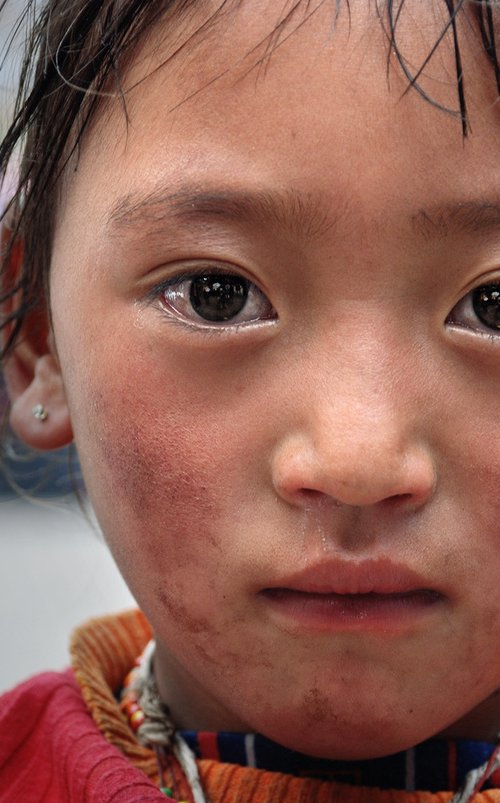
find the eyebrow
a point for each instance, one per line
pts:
(305, 214)
(479, 216)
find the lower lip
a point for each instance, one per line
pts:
(337, 612)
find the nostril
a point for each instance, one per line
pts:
(309, 496)
(399, 500)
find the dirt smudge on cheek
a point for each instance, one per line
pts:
(196, 629)
(219, 654)
(181, 615)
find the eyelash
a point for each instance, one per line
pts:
(214, 298)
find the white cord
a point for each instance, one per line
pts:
(187, 760)
(476, 778)
(157, 730)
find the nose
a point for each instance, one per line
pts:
(358, 451)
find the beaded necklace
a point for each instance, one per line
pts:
(152, 724)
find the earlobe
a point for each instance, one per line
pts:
(39, 412)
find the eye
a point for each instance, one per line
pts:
(212, 298)
(478, 310)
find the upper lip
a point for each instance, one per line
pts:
(341, 576)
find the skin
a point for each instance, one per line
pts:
(361, 423)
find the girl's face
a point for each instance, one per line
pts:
(283, 382)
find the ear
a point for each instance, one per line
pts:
(34, 381)
(33, 378)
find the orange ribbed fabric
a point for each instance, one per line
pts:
(104, 650)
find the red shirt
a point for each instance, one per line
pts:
(52, 751)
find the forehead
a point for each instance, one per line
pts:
(216, 42)
(310, 99)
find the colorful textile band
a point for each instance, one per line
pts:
(432, 765)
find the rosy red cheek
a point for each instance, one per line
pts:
(153, 481)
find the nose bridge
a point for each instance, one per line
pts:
(362, 369)
(362, 407)
(360, 436)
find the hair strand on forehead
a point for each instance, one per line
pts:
(394, 11)
(484, 12)
(458, 65)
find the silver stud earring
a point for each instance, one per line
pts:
(40, 412)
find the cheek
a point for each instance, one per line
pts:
(153, 483)
(467, 444)
(478, 470)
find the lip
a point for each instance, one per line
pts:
(345, 595)
(376, 576)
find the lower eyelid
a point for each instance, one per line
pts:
(207, 328)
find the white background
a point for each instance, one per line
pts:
(55, 572)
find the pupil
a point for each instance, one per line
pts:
(486, 303)
(218, 297)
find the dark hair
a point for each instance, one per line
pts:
(77, 50)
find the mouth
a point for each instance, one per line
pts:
(346, 595)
